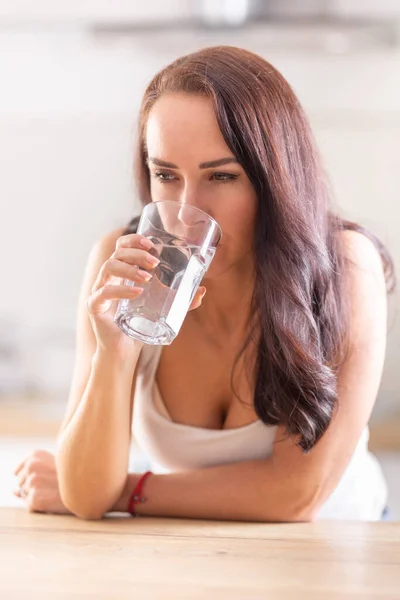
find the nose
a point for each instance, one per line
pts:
(190, 195)
(193, 195)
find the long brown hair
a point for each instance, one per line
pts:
(299, 296)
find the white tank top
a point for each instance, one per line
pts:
(361, 493)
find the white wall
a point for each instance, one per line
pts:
(68, 103)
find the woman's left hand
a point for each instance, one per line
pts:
(38, 484)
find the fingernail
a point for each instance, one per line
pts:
(152, 260)
(144, 275)
(146, 243)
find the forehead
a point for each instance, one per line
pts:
(182, 124)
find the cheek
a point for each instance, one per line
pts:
(237, 219)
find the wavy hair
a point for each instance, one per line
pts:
(299, 297)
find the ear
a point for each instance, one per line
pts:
(198, 298)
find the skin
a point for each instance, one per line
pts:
(288, 486)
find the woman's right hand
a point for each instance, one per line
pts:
(131, 260)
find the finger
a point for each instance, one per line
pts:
(121, 270)
(45, 480)
(111, 292)
(32, 481)
(99, 302)
(198, 298)
(135, 270)
(21, 478)
(134, 240)
(43, 455)
(33, 465)
(20, 492)
(21, 465)
(133, 256)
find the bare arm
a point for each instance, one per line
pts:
(93, 444)
(290, 485)
(93, 451)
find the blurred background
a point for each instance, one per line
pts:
(71, 79)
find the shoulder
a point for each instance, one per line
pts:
(366, 286)
(362, 254)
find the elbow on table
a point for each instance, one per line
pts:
(89, 514)
(84, 508)
(81, 501)
(302, 502)
(89, 505)
(88, 500)
(306, 515)
(296, 510)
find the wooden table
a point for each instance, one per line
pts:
(47, 557)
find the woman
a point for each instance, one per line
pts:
(259, 409)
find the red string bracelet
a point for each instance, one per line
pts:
(137, 494)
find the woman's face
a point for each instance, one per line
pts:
(189, 162)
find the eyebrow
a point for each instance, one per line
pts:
(218, 163)
(204, 165)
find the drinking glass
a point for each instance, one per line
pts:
(185, 240)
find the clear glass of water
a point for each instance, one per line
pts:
(185, 240)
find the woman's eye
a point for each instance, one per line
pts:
(164, 177)
(222, 177)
